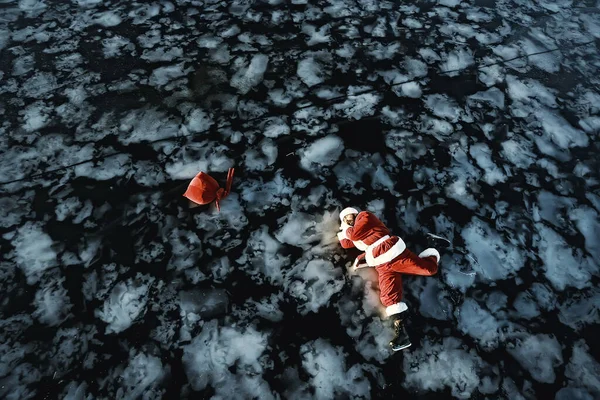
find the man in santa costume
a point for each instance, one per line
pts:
(390, 257)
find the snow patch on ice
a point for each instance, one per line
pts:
(313, 283)
(36, 116)
(433, 302)
(162, 54)
(247, 78)
(407, 146)
(311, 71)
(526, 306)
(276, 127)
(186, 248)
(198, 121)
(150, 124)
(208, 358)
(302, 230)
(559, 130)
(583, 370)
(144, 12)
(107, 19)
(329, 375)
(538, 354)
(412, 23)
(39, 85)
(494, 258)
(323, 152)
(359, 106)
(444, 107)
(564, 265)
(549, 62)
(482, 155)
(317, 36)
(163, 75)
(260, 160)
(480, 324)
(588, 222)
(142, 376)
(581, 309)
(72, 207)
(528, 90)
(457, 60)
(104, 169)
(206, 303)
(74, 391)
(429, 55)
(555, 209)
(111, 47)
(519, 151)
(449, 3)
(126, 302)
(260, 195)
(263, 259)
(493, 96)
(52, 303)
(34, 252)
(571, 393)
(436, 366)
(267, 308)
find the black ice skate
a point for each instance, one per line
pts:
(401, 340)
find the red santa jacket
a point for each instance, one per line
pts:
(373, 237)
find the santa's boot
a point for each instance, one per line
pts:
(437, 242)
(401, 340)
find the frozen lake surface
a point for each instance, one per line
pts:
(113, 289)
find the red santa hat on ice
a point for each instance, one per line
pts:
(347, 211)
(204, 189)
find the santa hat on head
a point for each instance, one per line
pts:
(347, 211)
(204, 189)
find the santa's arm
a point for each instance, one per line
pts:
(349, 232)
(343, 237)
(360, 262)
(346, 244)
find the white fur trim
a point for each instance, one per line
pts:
(359, 244)
(396, 308)
(388, 256)
(360, 265)
(347, 211)
(430, 252)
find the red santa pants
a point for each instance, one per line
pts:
(390, 274)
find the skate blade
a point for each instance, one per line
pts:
(439, 237)
(406, 346)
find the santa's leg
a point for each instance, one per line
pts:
(390, 285)
(425, 264)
